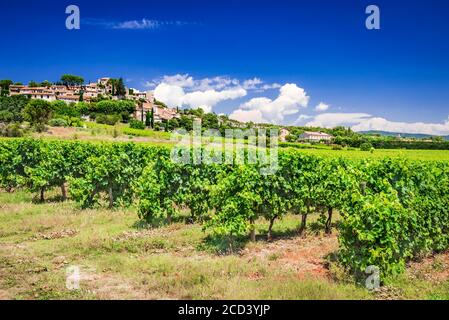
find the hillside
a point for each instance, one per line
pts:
(404, 135)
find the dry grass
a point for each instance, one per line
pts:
(120, 259)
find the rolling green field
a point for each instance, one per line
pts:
(123, 133)
(429, 155)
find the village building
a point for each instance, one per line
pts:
(142, 110)
(42, 93)
(64, 93)
(283, 134)
(164, 114)
(72, 94)
(311, 136)
(69, 98)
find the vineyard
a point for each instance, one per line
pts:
(392, 210)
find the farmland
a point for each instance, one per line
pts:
(428, 155)
(121, 258)
(350, 212)
(122, 133)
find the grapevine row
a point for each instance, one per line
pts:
(392, 210)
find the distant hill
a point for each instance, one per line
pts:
(404, 135)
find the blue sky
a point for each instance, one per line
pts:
(271, 61)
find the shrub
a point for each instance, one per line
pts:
(136, 124)
(57, 123)
(337, 147)
(366, 146)
(108, 119)
(11, 108)
(38, 112)
(73, 121)
(12, 130)
(6, 116)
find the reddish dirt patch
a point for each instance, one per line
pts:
(66, 233)
(305, 256)
(434, 268)
(61, 131)
(4, 295)
(111, 286)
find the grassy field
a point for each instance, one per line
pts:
(429, 155)
(122, 133)
(101, 132)
(122, 258)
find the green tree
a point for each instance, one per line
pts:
(113, 84)
(46, 83)
(4, 87)
(173, 124)
(120, 90)
(71, 80)
(160, 103)
(13, 106)
(60, 108)
(366, 146)
(210, 121)
(186, 122)
(148, 117)
(38, 112)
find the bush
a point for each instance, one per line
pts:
(6, 116)
(61, 108)
(38, 112)
(115, 106)
(375, 232)
(108, 119)
(399, 214)
(136, 124)
(57, 123)
(11, 108)
(73, 121)
(337, 147)
(366, 146)
(12, 130)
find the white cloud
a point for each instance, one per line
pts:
(290, 100)
(301, 118)
(366, 122)
(330, 120)
(252, 84)
(207, 99)
(144, 24)
(403, 127)
(269, 86)
(138, 25)
(174, 95)
(169, 94)
(215, 83)
(180, 80)
(321, 107)
(185, 90)
(247, 116)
